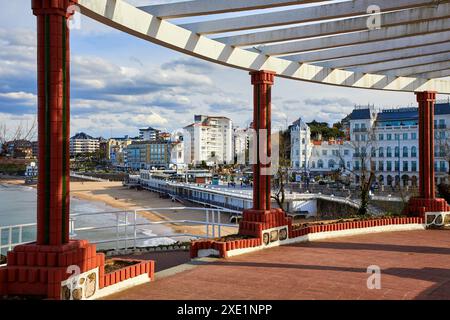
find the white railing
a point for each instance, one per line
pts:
(82, 176)
(126, 227)
(9, 232)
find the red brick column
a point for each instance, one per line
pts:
(262, 216)
(426, 102)
(426, 201)
(262, 82)
(38, 268)
(53, 121)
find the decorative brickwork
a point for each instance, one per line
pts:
(224, 248)
(426, 201)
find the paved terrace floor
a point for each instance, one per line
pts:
(414, 265)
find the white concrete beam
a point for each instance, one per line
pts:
(371, 47)
(301, 15)
(431, 67)
(435, 74)
(385, 33)
(204, 7)
(337, 27)
(397, 55)
(385, 67)
(124, 17)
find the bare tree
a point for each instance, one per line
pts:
(23, 131)
(364, 169)
(281, 178)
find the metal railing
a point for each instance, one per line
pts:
(126, 227)
(12, 232)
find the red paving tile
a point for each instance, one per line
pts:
(414, 265)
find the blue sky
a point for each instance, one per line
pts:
(121, 83)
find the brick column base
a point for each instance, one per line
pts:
(255, 221)
(417, 207)
(38, 270)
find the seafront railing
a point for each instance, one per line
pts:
(126, 227)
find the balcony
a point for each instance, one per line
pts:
(360, 130)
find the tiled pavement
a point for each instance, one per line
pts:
(414, 265)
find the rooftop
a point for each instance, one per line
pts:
(414, 265)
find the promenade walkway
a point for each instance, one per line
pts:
(414, 265)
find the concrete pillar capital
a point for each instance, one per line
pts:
(52, 7)
(262, 77)
(426, 96)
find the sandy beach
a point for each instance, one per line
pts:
(115, 195)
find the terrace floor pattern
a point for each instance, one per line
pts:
(414, 265)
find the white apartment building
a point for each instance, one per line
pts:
(149, 134)
(388, 141)
(301, 147)
(81, 143)
(211, 140)
(177, 154)
(241, 145)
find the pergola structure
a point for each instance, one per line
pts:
(328, 42)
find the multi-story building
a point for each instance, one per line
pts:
(211, 140)
(82, 143)
(115, 150)
(241, 145)
(148, 154)
(385, 141)
(149, 134)
(22, 149)
(301, 147)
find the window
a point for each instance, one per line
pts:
(442, 166)
(320, 164)
(324, 152)
(363, 137)
(397, 152)
(373, 152)
(405, 152)
(381, 152)
(397, 136)
(389, 165)
(397, 165)
(348, 165)
(313, 164)
(388, 152)
(413, 152)
(413, 136)
(389, 136)
(380, 136)
(413, 165)
(356, 165)
(405, 166)
(405, 136)
(380, 166)
(346, 152)
(331, 164)
(357, 137)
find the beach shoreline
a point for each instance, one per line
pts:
(115, 195)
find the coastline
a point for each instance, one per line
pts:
(114, 194)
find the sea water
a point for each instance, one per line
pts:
(18, 206)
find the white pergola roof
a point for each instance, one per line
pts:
(318, 41)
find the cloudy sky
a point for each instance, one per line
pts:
(121, 83)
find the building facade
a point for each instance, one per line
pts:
(385, 141)
(149, 134)
(82, 143)
(210, 140)
(148, 154)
